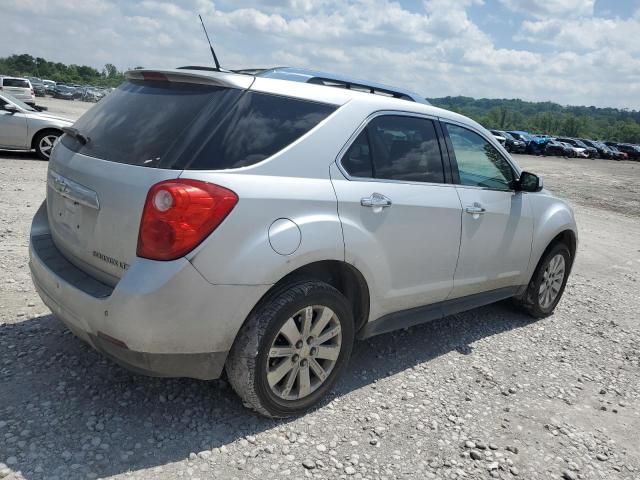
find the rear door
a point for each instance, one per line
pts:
(400, 215)
(497, 222)
(98, 180)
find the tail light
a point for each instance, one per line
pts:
(179, 214)
(33, 92)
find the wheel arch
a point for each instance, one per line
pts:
(37, 133)
(566, 236)
(341, 275)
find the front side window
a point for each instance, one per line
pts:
(395, 147)
(479, 163)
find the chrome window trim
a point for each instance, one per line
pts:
(363, 125)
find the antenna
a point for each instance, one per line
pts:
(215, 59)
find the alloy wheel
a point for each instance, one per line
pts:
(304, 352)
(46, 144)
(552, 279)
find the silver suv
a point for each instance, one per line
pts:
(206, 222)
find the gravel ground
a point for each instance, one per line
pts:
(485, 394)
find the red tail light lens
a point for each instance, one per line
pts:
(179, 214)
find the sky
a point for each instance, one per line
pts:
(574, 52)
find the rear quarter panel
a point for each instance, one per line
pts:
(239, 251)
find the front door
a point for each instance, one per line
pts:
(13, 128)
(497, 221)
(400, 217)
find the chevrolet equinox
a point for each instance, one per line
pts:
(203, 223)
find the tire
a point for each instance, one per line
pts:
(252, 353)
(43, 143)
(533, 301)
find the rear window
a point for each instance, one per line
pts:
(197, 127)
(15, 82)
(139, 122)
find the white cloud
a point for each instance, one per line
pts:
(585, 34)
(546, 8)
(435, 49)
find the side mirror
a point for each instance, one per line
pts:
(10, 107)
(529, 182)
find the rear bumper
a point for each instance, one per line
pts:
(161, 319)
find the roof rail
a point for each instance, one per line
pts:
(322, 78)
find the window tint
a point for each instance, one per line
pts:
(258, 126)
(357, 161)
(479, 163)
(138, 122)
(405, 148)
(16, 82)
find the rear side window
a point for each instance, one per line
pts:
(258, 126)
(15, 82)
(395, 147)
(139, 122)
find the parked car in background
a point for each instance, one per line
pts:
(19, 88)
(617, 154)
(632, 151)
(90, 94)
(523, 137)
(554, 147)
(538, 143)
(266, 259)
(38, 87)
(590, 151)
(500, 138)
(512, 144)
(64, 92)
(601, 149)
(25, 128)
(50, 86)
(578, 152)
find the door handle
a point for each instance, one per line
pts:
(376, 200)
(475, 209)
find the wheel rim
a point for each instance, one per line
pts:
(552, 279)
(304, 352)
(46, 144)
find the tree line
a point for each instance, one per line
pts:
(25, 65)
(619, 125)
(549, 118)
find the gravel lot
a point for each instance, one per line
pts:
(485, 394)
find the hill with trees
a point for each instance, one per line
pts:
(548, 118)
(538, 117)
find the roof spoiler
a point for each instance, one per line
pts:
(201, 76)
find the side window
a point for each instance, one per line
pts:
(479, 163)
(258, 126)
(395, 147)
(357, 160)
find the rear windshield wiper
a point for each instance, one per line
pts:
(73, 132)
